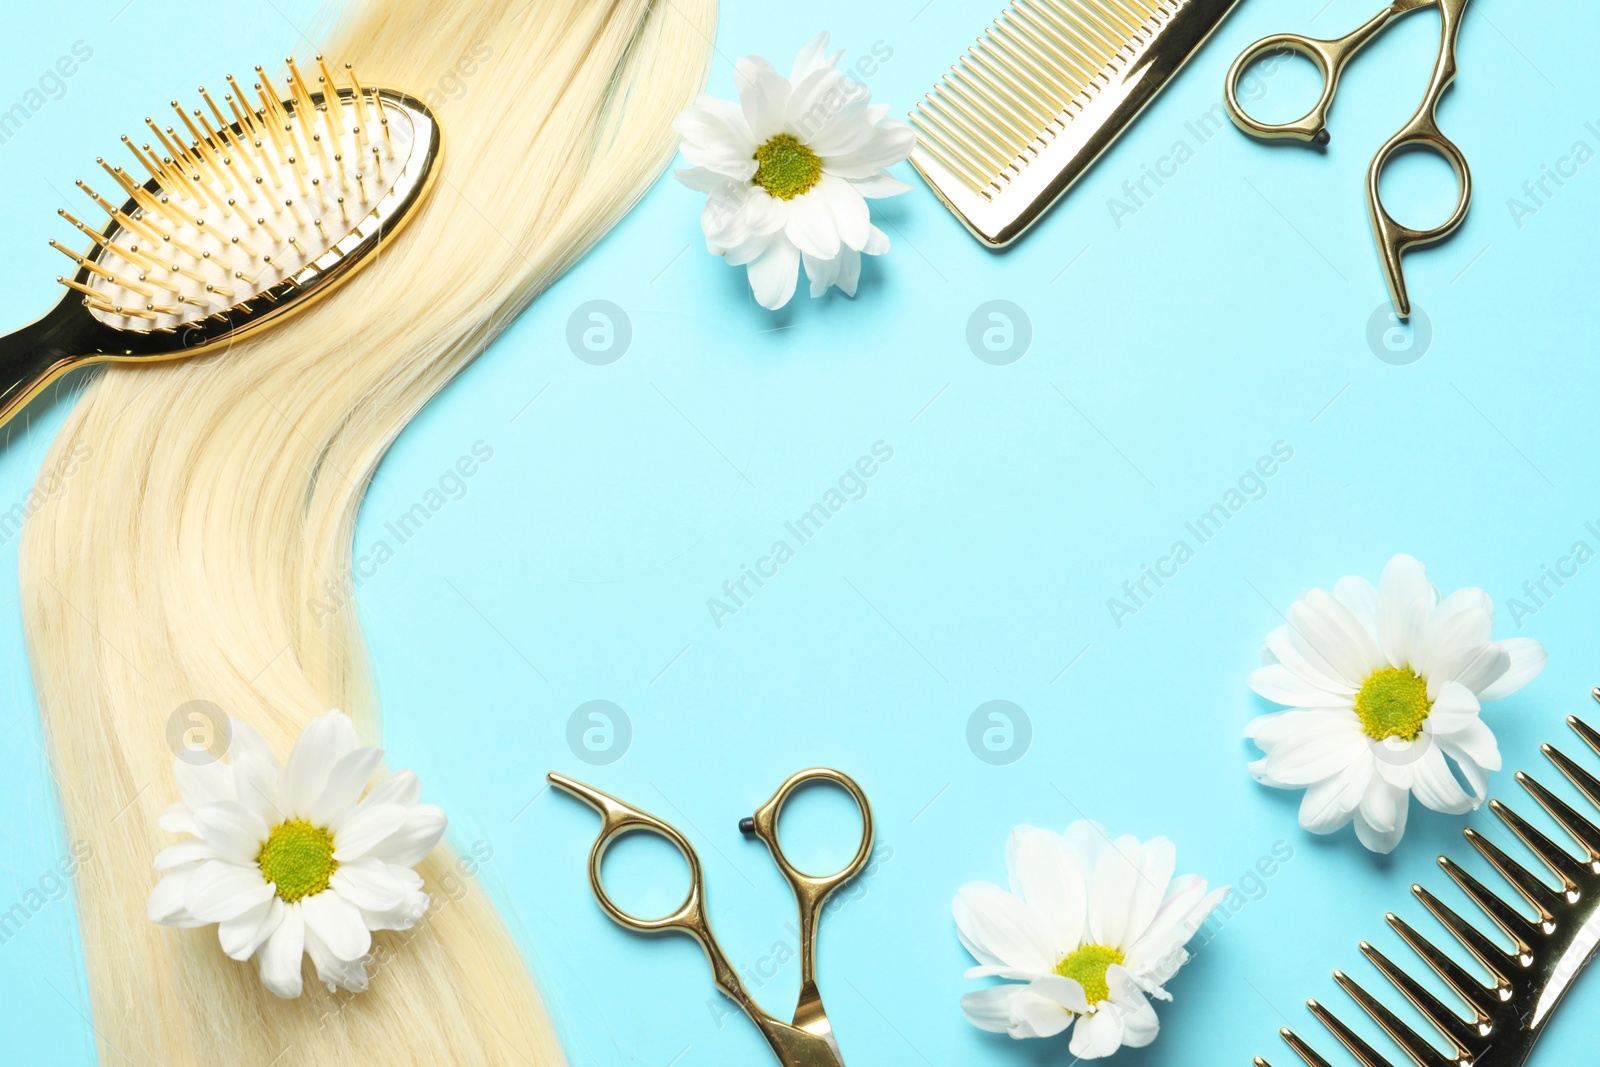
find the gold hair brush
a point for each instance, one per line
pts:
(238, 218)
(1549, 949)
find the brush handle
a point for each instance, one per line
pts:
(40, 352)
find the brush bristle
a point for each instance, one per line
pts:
(238, 199)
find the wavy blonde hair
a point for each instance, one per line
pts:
(186, 558)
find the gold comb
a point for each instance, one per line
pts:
(1549, 950)
(1041, 94)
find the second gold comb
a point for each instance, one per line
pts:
(1036, 100)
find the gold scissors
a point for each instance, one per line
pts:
(1331, 57)
(809, 1040)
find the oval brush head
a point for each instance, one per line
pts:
(237, 215)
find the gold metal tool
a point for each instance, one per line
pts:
(1047, 88)
(1508, 1016)
(809, 1040)
(1422, 131)
(239, 220)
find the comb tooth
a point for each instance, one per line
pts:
(1526, 882)
(1087, 31)
(1028, 20)
(1347, 1037)
(967, 161)
(1070, 33)
(950, 94)
(1126, 14)
(973, 66)
(1587, 783)
(1000, 56)
(1305, 1051)
(1569, 870)
(1036, 61)
(1109, 17)
(1584, 730)
(1504, 915)
(1408, 1039)
(992, 105)
(1488, 953)
(1455, 1029)
(963, 134)
(994, 63)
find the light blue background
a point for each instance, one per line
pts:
(1229, 313)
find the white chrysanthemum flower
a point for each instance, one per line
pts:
(1384, 684)
(294, 861)
(788, 171)
(1092, 926)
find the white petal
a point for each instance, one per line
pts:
(849, 270)
(1527, 660)
(812, 55)
(184, 852)
(168, 903)
(1111, 893)
(332, 971)
(320, 745)
(1434, 786)
(1383, 841)
(880, 185)
(891, 143)
(1157, 860)
(764, 94)
(1334, 631)
(1045, 875)
(1474, 743)
(410, 844)
(1321, 745)
(851, 216)
(997, 928)
(1454, 708)
(990, 1009)
(1280, 685)
(1097, 1035)
(346, 779)
(1404, 599)
(220, 890)
(1290, 649)
(1139, 1022)
(232, 829)
(368, 885)
(401, 787)
(244, 933)
(366, 828)
(258, 780)
(1330, 804)
(177, 819)
(1459, 624)
(775, 273)
(822, 272)
(717, 138)
(203, 783)
(281, 955)
(1361, 597)
(337, 922)
(811, 226)
(1036, 1011)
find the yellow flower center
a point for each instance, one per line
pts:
(1088, 966)
(1393, 702)
(785, 168)
(297, 859)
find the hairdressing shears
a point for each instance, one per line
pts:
(1331, 57)
(809, 1040)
